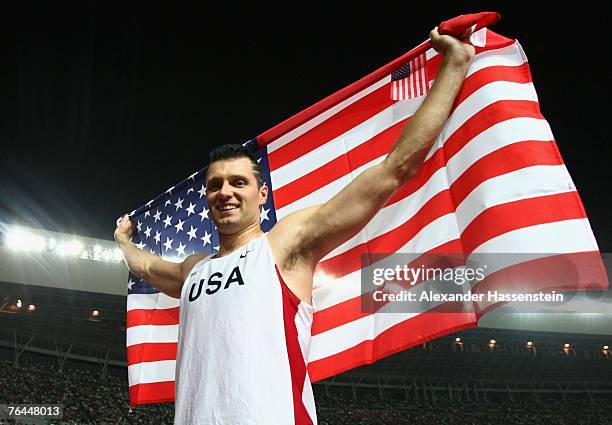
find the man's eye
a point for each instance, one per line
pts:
(239, 183)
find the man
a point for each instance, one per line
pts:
(246, 311)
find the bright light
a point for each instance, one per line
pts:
(566, 345)
(492, 342)
(95, 313)
(117, 255)
(457, 339)
(107, 255)
(72, 248)
(23, 240)
(529, 343)
(31, 307)
(26, 240)
(605, 347)
(19, 303)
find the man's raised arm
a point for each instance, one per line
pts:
(318, 230)
(166, 276)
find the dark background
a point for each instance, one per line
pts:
(104, 105)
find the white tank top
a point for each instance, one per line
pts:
(243, 344)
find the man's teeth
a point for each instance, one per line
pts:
(227, 207)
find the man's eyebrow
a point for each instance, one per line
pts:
(231, 177)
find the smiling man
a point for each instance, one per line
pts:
(246, 311)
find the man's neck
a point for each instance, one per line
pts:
(230, 243)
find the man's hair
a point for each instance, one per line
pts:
(232, 151)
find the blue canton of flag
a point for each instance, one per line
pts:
(401, 72)
(177, 223)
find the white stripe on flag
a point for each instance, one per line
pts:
(526, 183)
(151, 301)
(559, 237)
(151, 333)
(151, 372)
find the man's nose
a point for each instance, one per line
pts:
(226, 190)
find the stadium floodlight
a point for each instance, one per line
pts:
(529, 344)
(492, 342)
(566, 345)
(457, 339)
(18, 303)
(605, 347)
(31, 307)
(22, 240)
(95, 313)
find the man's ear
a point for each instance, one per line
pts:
(263, 194)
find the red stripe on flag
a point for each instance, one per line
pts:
(502, 161)
(514, 74)
(157, 392)
(343, 121)
(137, 317)
(413, 331)
(151, 352)
(500, 219)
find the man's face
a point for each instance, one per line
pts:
(233, 197)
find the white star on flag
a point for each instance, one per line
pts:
(130, 283)
(139, 226)
(147, 214)
(192, 232)
(181, 249)
(190, 209)
(179, 225)
(148, 232)
(140, 245)
(179, 204)
(263, 215)
(203, 214)
(202, 191)
(157, 216)
(206, 238)
(167, 221)
(167, 203)
(157, 236)
(168, 243)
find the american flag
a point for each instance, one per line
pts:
(493, 181)
(410, 80)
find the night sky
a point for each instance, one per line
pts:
(105, 105)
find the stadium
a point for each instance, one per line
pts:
(63, 338)
(109, 105)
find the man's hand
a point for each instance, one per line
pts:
(124, 230)
(452, 48)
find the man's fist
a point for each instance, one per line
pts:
(124, 230)
(451, 47)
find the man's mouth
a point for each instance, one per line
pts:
(227, 207)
